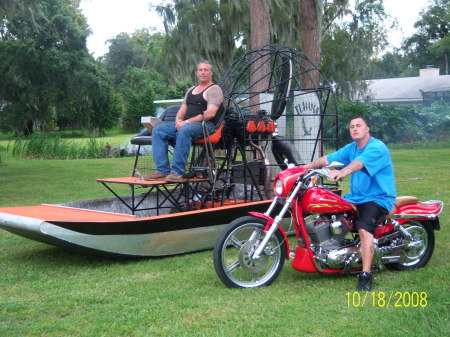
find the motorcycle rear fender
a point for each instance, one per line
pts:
(428, 210)
(434, 223)
(269, 223)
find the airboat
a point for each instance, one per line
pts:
(279, 107)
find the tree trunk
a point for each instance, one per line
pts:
(310, 17)
(259, 37)
(446, 63)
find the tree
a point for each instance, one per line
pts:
(390, 65)
(351, 43)
(202, 29)
(93, 104)
(38, 67)
(310, 20)
(142, 49)
(431, 44)
(341, 40)
(135, 62)
(138, 91)
(259, 37)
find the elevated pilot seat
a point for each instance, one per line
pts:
(208, 140)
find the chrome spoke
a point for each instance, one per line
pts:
(235, 265)
(236, 243)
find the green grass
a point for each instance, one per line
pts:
(434, 144)
(48, 291)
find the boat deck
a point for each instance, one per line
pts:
(137, 181)
(176, 193)
(61, 213)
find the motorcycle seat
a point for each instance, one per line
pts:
(402, 201)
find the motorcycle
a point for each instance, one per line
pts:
(251, 250)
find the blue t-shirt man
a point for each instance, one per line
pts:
(372, 188)
(375, 182)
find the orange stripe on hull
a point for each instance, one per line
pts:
(61, 213)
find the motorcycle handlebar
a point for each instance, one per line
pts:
(324, 171)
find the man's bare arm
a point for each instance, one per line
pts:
(353, 167)
(214, 97)
(181, 113)
(318, 163)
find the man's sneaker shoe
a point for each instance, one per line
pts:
(174, 178)
(155, 176)
(365, 281)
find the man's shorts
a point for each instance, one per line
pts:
(369, 216)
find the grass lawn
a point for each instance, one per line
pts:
(48, 291)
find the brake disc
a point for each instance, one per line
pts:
(245, 258)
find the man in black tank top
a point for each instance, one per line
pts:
(201, 101)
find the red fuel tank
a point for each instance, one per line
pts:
(318, 200)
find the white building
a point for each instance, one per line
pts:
(421, 90)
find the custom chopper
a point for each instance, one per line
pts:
(251, 250)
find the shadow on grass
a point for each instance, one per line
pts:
(56, 257)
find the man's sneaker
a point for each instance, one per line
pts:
(174, 178)
(155, 176)
(365, 281)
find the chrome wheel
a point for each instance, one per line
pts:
(417, 250)
(233, 254)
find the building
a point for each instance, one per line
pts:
(421, 90)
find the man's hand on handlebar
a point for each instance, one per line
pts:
(335, 175)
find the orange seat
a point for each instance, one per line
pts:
(213, 138)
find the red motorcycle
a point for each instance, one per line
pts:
(251, 250)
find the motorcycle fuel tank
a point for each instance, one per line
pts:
(318, 200)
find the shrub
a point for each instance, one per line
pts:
(53, 146)
(398, 123)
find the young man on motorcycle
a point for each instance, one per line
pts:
(372, 186)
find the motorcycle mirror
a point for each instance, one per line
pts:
(335, 164)
(289, 165)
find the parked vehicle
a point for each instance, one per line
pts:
(272, 110)
(251, 250)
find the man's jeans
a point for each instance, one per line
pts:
(163, 133)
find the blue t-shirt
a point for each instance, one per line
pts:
(375, 182)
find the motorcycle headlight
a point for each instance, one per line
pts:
(278, 187)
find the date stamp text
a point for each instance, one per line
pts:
(388, 299)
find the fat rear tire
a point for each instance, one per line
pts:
(417, 255)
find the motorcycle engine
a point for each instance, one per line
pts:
(329, 236)
(328, 231)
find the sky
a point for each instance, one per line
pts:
(107, 18)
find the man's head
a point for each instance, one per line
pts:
(204, 71)
(359, 129)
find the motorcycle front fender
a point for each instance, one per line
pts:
(269, 223)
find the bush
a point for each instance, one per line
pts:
(53, 146)
(398, 123)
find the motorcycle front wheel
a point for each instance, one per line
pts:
(418, 251)
(234, 249)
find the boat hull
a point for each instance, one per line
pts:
(123, 235)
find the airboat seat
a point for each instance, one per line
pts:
(216, 133)
(145, 137)
(213, 138)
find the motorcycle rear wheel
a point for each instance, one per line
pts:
(234, 248)
(420, 249)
